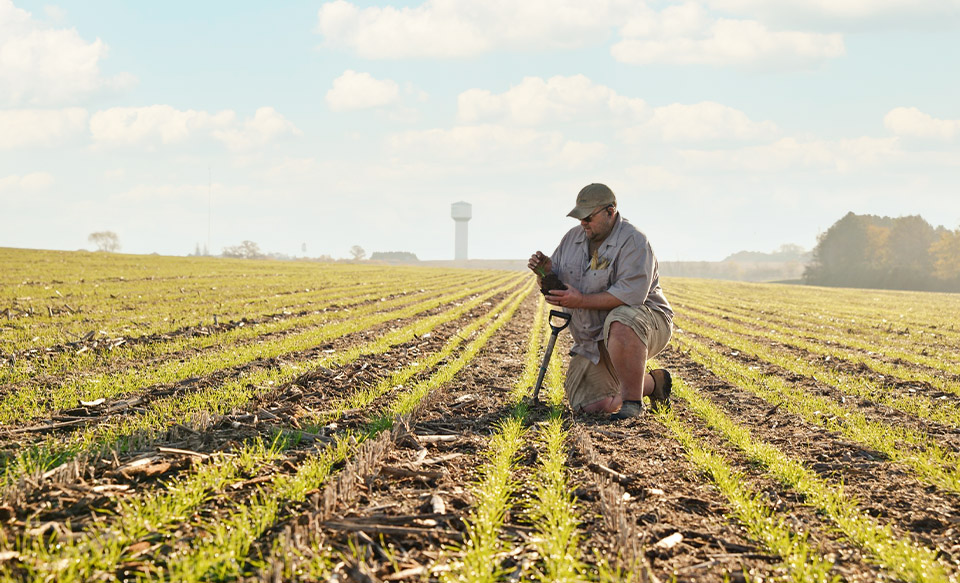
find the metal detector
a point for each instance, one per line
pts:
(554, 332)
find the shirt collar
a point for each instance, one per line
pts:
(612, 239)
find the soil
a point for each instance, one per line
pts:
(136, 401)
(946, 436)
(397, 510)
(551, 282)
(861, 369)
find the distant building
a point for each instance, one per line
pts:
(461, 212)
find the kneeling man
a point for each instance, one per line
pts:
(619, 314)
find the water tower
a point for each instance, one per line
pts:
(461, 213)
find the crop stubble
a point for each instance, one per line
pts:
(400, 503)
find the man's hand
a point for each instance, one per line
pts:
(565, 298)
(540, 264)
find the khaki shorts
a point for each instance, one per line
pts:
(587, 382)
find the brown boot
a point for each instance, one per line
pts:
(662, 383)
(628, 410)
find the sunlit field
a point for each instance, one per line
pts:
(200, 419)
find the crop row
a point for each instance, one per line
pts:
(168, 311)
(555, 517)
(221, 518)
(225, 559)
(914, 365)
(932, 313)
(550, 508)
(881, 351)
(313, 561)
(911, 322)
(939, 409)
(166, 308)
(339, 307)
(544, 498)
(905, 558)
(226, 541)
(914, 448)
(802, 561)
(31, 401)
(222, 397)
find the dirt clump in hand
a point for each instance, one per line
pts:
(551, 282)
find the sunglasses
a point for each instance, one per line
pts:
(589, 217)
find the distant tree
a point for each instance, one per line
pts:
(357, 253)
(945, 253)
(908, 248)
(105, 241)
(872, 251)
(245, 250)
(394, 256)
(841, 256)
(791, 249)
(877, 252)
(786, 252)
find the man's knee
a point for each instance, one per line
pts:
(604, 405)
(620, 332)
(624, 335)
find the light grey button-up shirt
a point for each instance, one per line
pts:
(628, 270)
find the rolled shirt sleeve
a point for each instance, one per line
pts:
(636, 265)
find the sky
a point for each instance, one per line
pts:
(311, 127)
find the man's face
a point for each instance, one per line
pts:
(598, 224)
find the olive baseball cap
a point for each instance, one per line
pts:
(592, 197)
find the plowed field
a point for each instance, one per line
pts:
(190, 419)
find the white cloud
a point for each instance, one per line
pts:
(42, 66)
(265, 126)
(535, 101)
(40, 127)
(575, 154)
(120, 126)
(167, 193)
(847, 8)
(699, 122)
(678, 34)
(55, 13)
(687, 35)
(793, 155)
(845, 14)
(163, 124)
(352, 91)
(645, 178)
(911, 122)
(291, 169)
(416, 93)
(28, 182)
(475, 146)
(682, 20)
(464, 28)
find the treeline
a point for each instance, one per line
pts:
(734, 270)
(882, 252)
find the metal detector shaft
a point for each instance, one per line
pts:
(554, 332)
